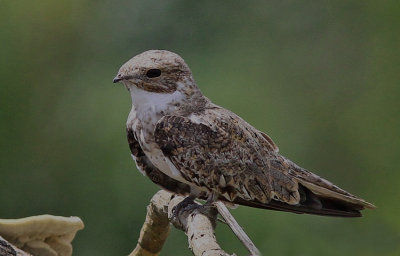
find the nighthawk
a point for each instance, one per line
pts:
(188, 145)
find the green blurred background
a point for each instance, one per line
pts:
(320, 77)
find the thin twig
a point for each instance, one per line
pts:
(237, 229)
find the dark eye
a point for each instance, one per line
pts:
(151, 73)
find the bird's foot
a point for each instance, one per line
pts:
(188, 206)
(209, 210)
(182, 210)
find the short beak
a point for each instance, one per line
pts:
(117, 79)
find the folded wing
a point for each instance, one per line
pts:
(219, 151)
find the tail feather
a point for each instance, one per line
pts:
(325, 189)
(317, 195)
(335, 196)
(310, 204)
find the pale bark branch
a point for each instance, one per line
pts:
(197, 223)
(199, 228)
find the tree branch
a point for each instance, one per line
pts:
(197, 226)
(198, 223)
(155, 229)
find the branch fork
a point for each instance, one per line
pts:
(196, 221)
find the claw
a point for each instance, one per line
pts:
(182, 210)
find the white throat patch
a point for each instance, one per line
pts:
(149, 103)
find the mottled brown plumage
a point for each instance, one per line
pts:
(188, 145)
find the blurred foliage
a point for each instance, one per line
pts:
(320, 77)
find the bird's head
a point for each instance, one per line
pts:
(156, 71)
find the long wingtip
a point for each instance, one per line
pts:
(370, 206)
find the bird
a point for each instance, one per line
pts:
(190, 146)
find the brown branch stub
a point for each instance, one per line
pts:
(198, 227)
(155, 229)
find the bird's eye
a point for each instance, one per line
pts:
(154, 72)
